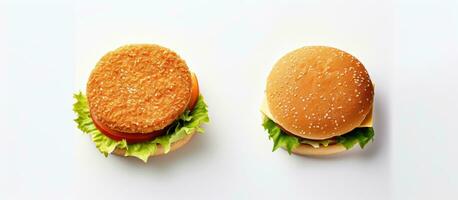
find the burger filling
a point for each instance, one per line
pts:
(288, 141)
(188, 123)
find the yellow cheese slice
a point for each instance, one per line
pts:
(367, 122)
(265, 109)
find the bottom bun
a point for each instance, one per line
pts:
(307, 150)
(160, 150)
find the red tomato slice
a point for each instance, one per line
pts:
(194, 92)
(129, 137)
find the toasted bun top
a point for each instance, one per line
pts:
(319, 92)
(139, 88)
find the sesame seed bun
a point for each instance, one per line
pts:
(319, 92)
(160, 150)
(307, 150)
(139, 88)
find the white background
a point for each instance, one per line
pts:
(410, 49)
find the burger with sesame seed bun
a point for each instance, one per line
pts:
(319, 101)
(141, 101)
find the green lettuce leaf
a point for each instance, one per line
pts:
(360, 135)
(279, 138)
(186, 124)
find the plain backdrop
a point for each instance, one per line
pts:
(47, 50)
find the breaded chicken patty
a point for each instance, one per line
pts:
(139, 88)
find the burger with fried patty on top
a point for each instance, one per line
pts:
(319, 101)
(141, 101)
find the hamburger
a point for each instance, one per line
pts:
(141, 101)
(318, 101)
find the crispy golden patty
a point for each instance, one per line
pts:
(139, 88)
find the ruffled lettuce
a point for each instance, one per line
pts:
(361, 135)
(188, 123)
(280, 138)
